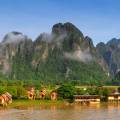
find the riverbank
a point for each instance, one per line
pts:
(59, 104)
(23, 104)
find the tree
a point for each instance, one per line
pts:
(66, 91)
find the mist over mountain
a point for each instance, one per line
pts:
(14, 37)
(111, 54)
(63, 55)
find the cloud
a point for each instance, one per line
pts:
(79, 55)
(13, 37)
(52, 37)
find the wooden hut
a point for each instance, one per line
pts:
(42, 93)
(114, 97)
(31, 93)
(87, 98)
(53, 95)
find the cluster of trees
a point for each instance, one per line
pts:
(64, 91)
(67, 91)
(18, 87)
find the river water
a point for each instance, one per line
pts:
(71, 112)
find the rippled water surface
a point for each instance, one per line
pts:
(73, 112)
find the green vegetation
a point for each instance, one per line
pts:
(57, 70)
(35, 103)
(116, 79)
(18, 89)
(102, 91)
(66, 91)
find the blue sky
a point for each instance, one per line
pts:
(99, 19)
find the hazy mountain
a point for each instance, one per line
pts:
(111, 54)
(63, 55)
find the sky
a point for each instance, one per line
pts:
(98, 19)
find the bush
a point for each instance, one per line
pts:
(2, 90)
(66, 91)
(17, 91)
(13, 91)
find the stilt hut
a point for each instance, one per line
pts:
(114, 96)
(31, 93)
(53, 95)
(87, 98)
(42, 93)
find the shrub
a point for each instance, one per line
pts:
(66, 91)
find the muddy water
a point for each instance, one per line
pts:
(70, 112)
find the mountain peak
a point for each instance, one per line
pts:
(67, 27)
(13, 37)
(113, 41)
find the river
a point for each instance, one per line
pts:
(70, 112)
